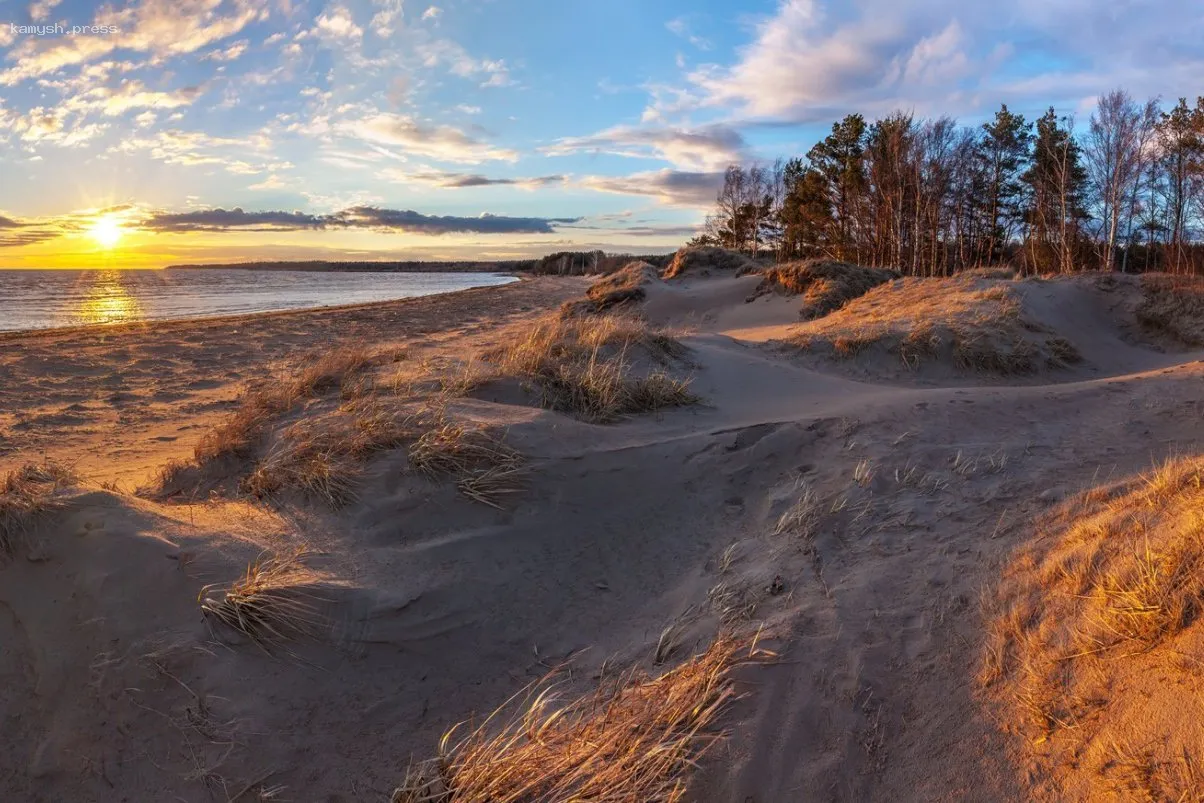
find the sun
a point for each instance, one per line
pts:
(106, 231)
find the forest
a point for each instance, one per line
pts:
(929, 197)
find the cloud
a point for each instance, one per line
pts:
(700, 149)
(160, 28)
(336, 26)
(432, 13)
(15, 233)
(49, 126)
(196, 148)
(671, 187)
(435, 52)
(40, 10)
(681, 27)
(441, 142)
(385, 21)
(812, 60)
(358, 217)
(446, 180)
(129, 94)
(231, 53)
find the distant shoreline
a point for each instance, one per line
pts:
(475, 266)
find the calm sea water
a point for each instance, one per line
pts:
(46, 299)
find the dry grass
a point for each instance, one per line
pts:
(620, 289)
(704, 260)
(972, 323)
(276, 601)
(240, 434)
(485, 467)
(824, 285)
(323, 457)
(1093, 630)
(588, 367)
(1174, 305)
(27, 495)
(633, 740)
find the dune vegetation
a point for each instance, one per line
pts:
(635, 737)
(974, 324)
(27, 496)
(600, 370)
(1174, 305)
(1090, 647)
(825, 286)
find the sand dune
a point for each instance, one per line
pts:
(856, 510)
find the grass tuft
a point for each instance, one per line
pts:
(825, 286)
(1174, 305)
(28, 494)
(1091, 634)
(587, 366)
(633, 740)
(274, 602)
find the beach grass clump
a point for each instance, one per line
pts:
(825, 285)
(485, 467)
(1173, 305)
(1088, 635)
(705, 260)
(275, 601)
(634, 739)
(241, 433)
(621, 289)
(587, 366)
(323, 457)
(27, 495)
(973, 323)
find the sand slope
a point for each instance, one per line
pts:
(902, 500)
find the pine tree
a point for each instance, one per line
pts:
(1002, 153)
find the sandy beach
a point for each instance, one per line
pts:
(847, 490)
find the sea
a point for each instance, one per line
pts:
(49, 299)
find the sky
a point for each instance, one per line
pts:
(141, 133)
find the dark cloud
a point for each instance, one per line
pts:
(463, 180)
(358, 217)
(15, 233)
(371, 217)
(227, 219)
(672, 187)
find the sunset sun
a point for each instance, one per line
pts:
(106, 231)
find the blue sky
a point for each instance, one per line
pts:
(456, 128)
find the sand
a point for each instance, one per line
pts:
(919, 488)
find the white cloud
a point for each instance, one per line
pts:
(386, 21)
(440, 142)
(130, 94)
(452, 55)
(40, 10)
(702, 149)
(161, 28)
(681, 27)
(336, 26)
(432, 13)
(813, 60)
(231, 53)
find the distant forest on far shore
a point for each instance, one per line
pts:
(561, 263)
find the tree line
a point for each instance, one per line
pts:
(930, 196)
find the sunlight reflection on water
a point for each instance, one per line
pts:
(107, 301)
(39, 299)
